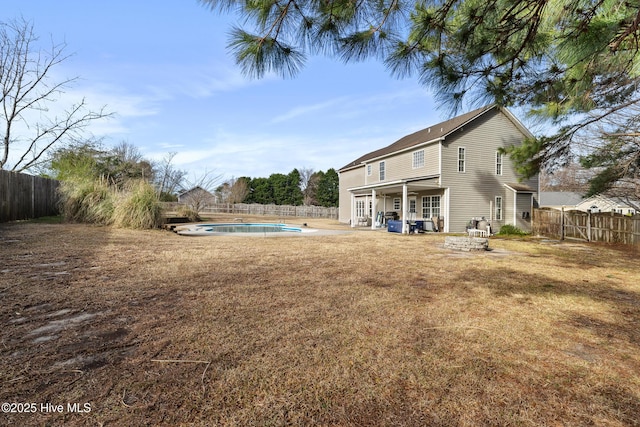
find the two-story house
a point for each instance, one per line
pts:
(453, 171)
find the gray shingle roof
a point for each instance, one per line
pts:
(431, 133)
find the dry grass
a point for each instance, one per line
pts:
(365, 328)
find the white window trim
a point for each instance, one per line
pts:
(499, 211)
(431, 207)
(382, 171)
(418, 159)
(499, 163)
(398, 200)
(463, 159)
(369, 170)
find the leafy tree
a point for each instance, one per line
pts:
(260, 191)
(27, 91)
(328, 188)
(574, 64)
(116, 166)
(279, 184)
(78, 161)
(294, 194)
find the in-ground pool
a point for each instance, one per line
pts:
(253, 228)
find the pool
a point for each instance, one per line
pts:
(247, 229)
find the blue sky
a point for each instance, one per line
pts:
(163, 68)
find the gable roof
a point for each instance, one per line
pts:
(560, 198)
(195, 189)
(432, 133)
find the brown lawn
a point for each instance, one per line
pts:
(355, 329)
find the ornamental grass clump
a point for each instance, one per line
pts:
(138, 207)
(87, 200)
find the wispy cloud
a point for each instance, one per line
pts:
(349, 107)
(309, 109)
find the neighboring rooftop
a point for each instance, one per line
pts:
(559, 198)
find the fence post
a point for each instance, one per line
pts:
(562, 223)
(588, 225)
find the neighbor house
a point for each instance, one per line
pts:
(453, 171)
(602, 203)
(595, 204)
(196, 198)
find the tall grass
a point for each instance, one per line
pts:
(138, 207)
(87, 200)
(94, 201)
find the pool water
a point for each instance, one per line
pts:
(213, 229)
(247, 228)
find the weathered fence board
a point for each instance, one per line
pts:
(267, 210)
(594, 227)
(25, 196)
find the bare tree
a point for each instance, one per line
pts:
(307, 185)
(200, 190)
(573, 178)
(167, 178)
(27, 92)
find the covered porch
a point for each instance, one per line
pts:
(414, 199)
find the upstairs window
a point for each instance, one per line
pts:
(461, 159)
(418, 159)
(369, 168)
(498, 163)
(382, 171)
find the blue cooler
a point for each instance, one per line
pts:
(394, 226)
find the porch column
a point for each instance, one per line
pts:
(353, 210)
(405, 209)
(374, 209)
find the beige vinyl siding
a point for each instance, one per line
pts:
(349, 179)
(473, 192)
(523, 204)
(400, 166)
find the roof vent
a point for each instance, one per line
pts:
(429, 130)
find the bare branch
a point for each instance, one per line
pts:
(25, 88)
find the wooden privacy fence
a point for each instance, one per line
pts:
(25, 196)
(271, 210)
(605, 227)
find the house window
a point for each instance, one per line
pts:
(396, 204)
(418, 159)
(412, 206)
(360, 211)
(498, 208)
(461, 159)
(498, 163)
(430, 206)
(382, 171)
(369, 170)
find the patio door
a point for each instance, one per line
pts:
(413, 204)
